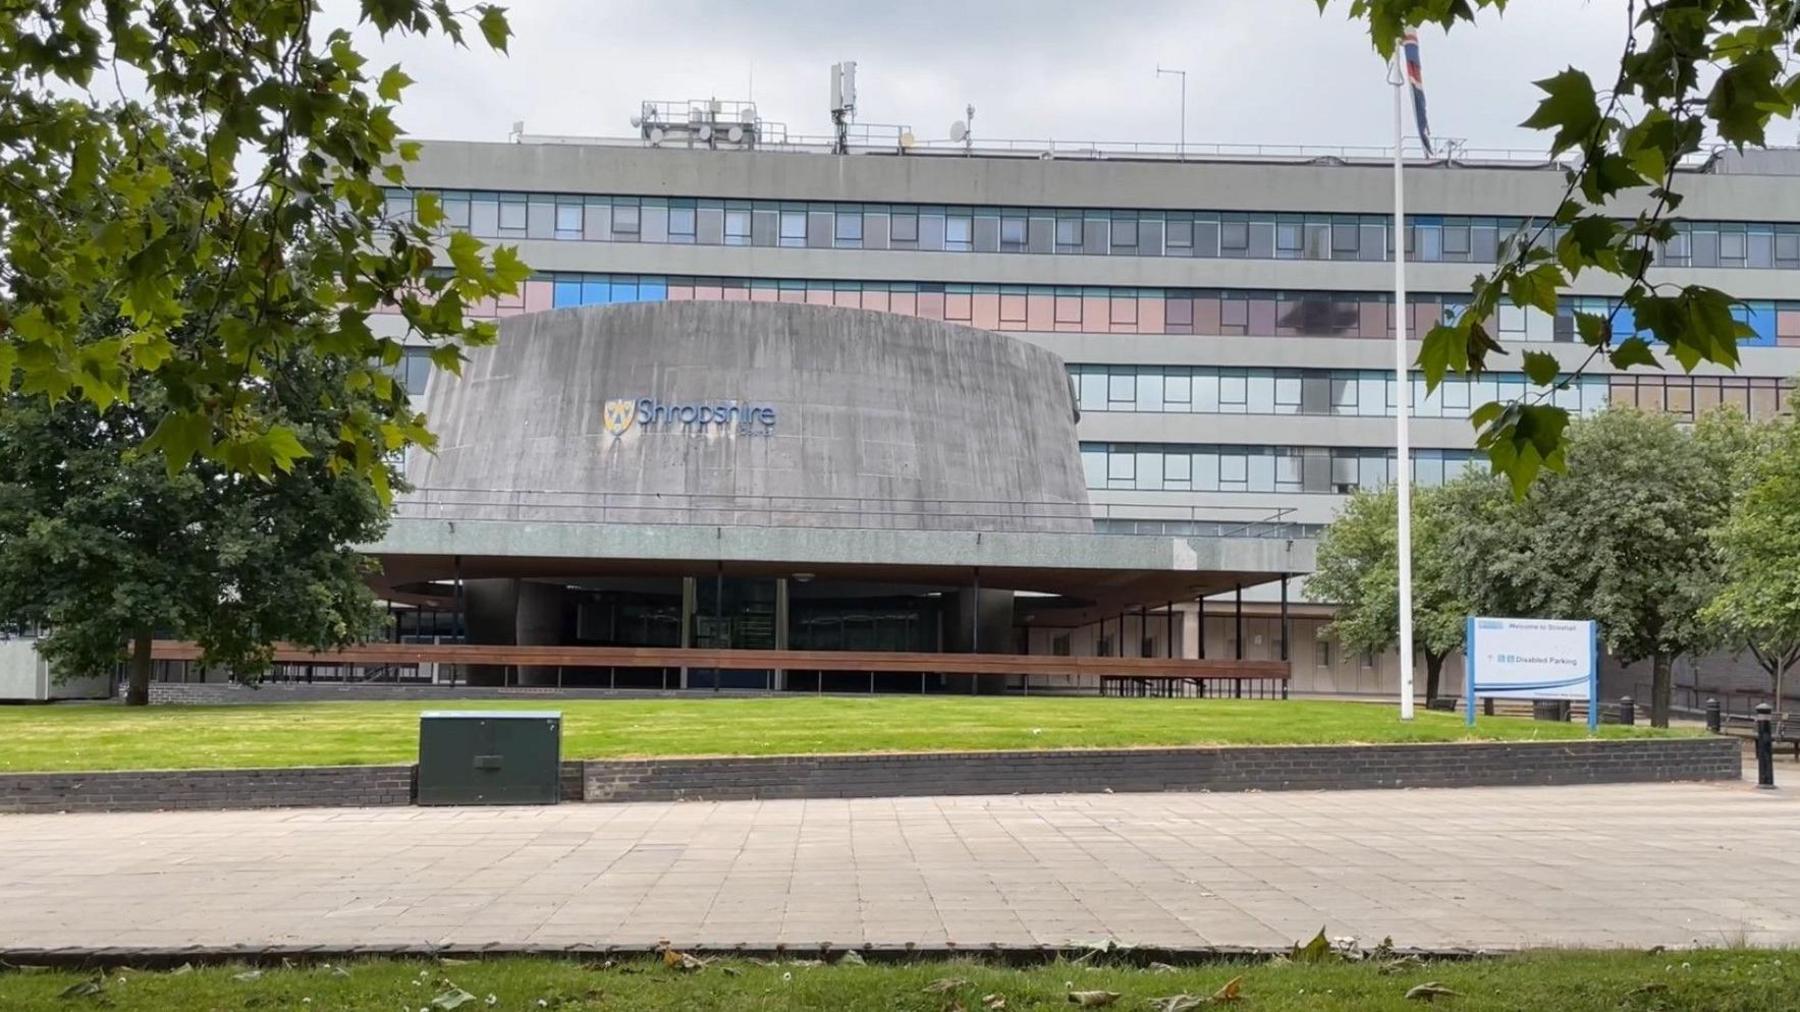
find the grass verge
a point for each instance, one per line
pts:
(1724, 979)
(113, 737)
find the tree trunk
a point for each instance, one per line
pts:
(137, 687)
(1434, 670)
(1662, 688)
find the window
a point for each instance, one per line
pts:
(1234, 238)
(1289, 235)
(1368, 659)
(513, 214)
(903, 227)
(793, 228)
(848, 232)
(568, 221)
(1125, 234)
(681, 225)
(1179, 235)
(625, 220)
(959, 233)
(737, 228)
(1322, 654)
(1068, 235)
(1012, 234)
(1059, 645)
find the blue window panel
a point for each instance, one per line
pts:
(1761, 318)
(595, 290)
(624, 290)
(653, 289)
(567, 293)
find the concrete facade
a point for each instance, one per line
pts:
(25, 677)
(548, 175)
(826, 406)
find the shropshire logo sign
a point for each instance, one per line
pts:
(696, 418)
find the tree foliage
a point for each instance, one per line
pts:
(217, 169)
(103, 547)
(1757, 607)
(1622, 538)
(1690, 72)
(1358, 570)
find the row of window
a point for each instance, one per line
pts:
(1092, 232)
(1164, 467)
(1371, 393)
(1097, 310)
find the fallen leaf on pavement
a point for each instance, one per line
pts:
(1230, 991)
(1177, 1003)
(682, 961)
(993, 1002)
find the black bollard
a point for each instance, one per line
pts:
(1715, 719)
(1765, 746)
(1627, 710)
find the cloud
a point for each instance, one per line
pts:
(1259, 71)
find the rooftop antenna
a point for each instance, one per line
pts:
(964, 130)
(518, 131)
(843, 102)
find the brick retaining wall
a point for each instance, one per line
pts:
(155, 790)
(1312, 767)
(1320, 767)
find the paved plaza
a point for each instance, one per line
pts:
(1488, 867)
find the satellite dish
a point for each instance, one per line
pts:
(656, 135)
(735, 134)
(637, 121)
(906, 139)
(958, 130)
(705, 132)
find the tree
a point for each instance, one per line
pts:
(101, 545)
(1690, 71)
(1758, 602)
(1358, 570)
(1620, 538)
(234, 193)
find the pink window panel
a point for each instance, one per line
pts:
(1262, 317)
(1373, 319)
(791, 295)
(1150, 316)
(1040, 312)
(1123, 312)
(764, 295)
(1207, 317)
(905, 303)
(735, 293)
(1787, 325)
(877, 301)
(958, 307)
(1178, 316)
(987, 310)
(819, 296)
(709, 293)
(681, 293)
(848, 298)
(539, 296)
(931, 305)
(1096, 313)
(1012, 310)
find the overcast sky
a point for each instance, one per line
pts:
(1259, 71)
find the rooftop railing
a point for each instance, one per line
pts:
(831, 512)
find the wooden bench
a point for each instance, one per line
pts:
(988, 665)
(1785, 729)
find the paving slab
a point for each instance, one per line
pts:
(1506, 867)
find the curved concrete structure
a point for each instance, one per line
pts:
(788, 415)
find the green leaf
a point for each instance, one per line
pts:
(393, 82)
(1595, 330)
(494, 27)
(1441, 344)
(8, 356)
(179, 437)
(428, 209)
(1538, 287)
(1487, 414)
(509, 270)
(284, 447)
(1541, 368)
(1570, 107)
(465, 254)
(1633, 351)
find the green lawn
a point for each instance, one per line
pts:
(110, 736)
(1730, 979)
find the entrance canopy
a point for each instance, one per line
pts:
(1062, 579)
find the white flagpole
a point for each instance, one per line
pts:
(1402, 397)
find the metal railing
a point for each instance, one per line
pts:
(840, 512)
(883, 139)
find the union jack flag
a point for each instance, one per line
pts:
(1415, 77)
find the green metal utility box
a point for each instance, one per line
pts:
(491, 757)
